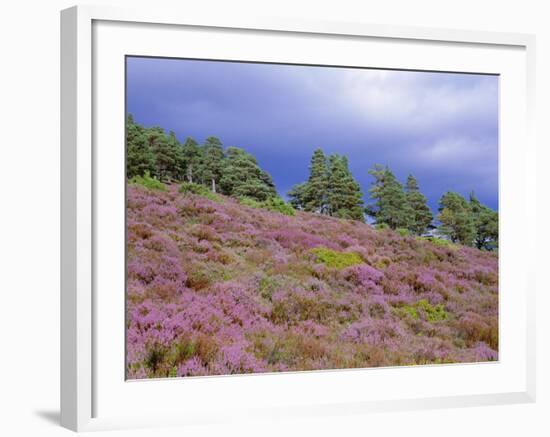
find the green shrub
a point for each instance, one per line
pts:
(275, 204)
(334, 259)
(248, 201)
(403, 232)
(381, 226)
(443, 243)
(199, 190)
(148, 182)
(267, 285)
(432, 313)
(411, 311)
(279, 205)
(438, 242)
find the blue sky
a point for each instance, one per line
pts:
(441, 127)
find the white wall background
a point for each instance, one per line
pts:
(29, 214)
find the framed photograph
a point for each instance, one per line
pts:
(272, 218)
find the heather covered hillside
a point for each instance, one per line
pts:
(218, 287)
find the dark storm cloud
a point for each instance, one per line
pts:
(441, 127)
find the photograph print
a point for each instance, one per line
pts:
(284, 218)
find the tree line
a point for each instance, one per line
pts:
(330, 188)
(232, 171)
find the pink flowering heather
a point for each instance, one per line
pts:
(215, 287)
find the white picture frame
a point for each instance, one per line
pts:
(87, 380)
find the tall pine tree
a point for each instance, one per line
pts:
(344, 196)
(175, 148)
(139, 156)
(212, 162)
(421, 215)
(390, 205)
(192, 158)
(330, 189)
(242, 177)
(457, 220)
(485, 223)
(158, 143)
(315, 193)
(297, 195)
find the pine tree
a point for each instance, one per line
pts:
(421, 215)
(167, 152)
(212, 162)
(315, 192)
(267, 180)
(485, 223)
(156, 139)
(457, 219)
(297, 195)
(242, 177)
(344, 197)
(176, 150)
(192, 157)
(390, 202)
(330, 189)
(139, 156)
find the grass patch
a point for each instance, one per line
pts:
(336, 260)
(275, 204)
(278, 205)
(431, 313)
(148, 182)
(438, 242)
(403, 232)
(199, 190)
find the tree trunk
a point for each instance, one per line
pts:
(213, 185)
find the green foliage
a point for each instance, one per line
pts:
(148, 182)
(424, 309)
(381, 226)
(270, 284)
(398, 208)
(242, 177)
(433, 313)
(297, 195)
(457, 220)
(330, 189)
(251, 203)
(272, 204)
(278, 205)
(316, 190)
(438, 241)
(151, 150)
(185, 349)
(139, 156)
(233, 172)
(421, 215)
(167, 151)
(334, 259)
(212, 162)
(485, 223)
(192, 157)
(403, 232)
(345, 199)
(199, 190)
(390, 202)
(410, 310)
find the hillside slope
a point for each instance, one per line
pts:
(216, 287)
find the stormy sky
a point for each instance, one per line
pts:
(441, 127)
